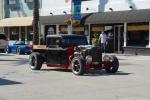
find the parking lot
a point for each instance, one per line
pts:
(19, 82)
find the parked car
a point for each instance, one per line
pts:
(19, 47)
(3, 42)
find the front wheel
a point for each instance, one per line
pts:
(78, 67)
(111, 63)
(35, 61)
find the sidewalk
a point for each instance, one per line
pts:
(131, 57)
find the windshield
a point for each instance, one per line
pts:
(74, 41)
(53, 42)
(19, 43)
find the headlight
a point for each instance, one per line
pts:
(89, 59)
(106, 58)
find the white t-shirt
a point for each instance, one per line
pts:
(103, 37)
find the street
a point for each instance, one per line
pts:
(19, 82)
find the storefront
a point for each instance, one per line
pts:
(137, 38)
(138, 34)
(130, 29)
(18, 28)
(126, 30)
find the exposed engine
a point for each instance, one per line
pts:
(92, 54)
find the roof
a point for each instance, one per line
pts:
(19, 21)
(129, 16)
(56, 19)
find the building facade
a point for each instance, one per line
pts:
(88, 6)
(1, 9)
(126, 22)
(17, 17)
(1, 13)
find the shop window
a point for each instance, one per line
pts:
(78, 30)
(14, 33)
(63, 29)
(14, 5)
(50, 29)
(28, 1)
(12, 2)
(95, 32)
(138, 35)
(30, 33)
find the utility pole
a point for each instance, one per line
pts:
(36, 22)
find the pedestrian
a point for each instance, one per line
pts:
(102, 41)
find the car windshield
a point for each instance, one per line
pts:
(74, 41)
(19, 43)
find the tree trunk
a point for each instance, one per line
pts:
(35, 22)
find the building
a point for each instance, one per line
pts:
(16, 19)
(1, 13)
(1, 9)
(126, 22)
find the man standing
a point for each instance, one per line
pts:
(102, 40)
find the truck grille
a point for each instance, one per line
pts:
(96, 54)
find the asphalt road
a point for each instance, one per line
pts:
(19, 82)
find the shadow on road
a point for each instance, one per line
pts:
(10, 60)
(56, 69)
(8, 82)
(3, 54)
(103, 73)
(16, 62)
(93, 73)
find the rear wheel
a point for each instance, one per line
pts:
(35, 61)
(18, 51)
(78, 67)
(111, 63)
(7, 50)
(3, 50)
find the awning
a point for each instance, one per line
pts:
(115, 17)
(129, 16)
(19, 21)
(57, 19)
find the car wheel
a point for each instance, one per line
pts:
(35, 61)
(18, 51)
(7, 50)
(78, 67)
(3, 50)
(111, 63)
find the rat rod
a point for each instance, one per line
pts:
(72, 52)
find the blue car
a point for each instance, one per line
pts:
(19, 47)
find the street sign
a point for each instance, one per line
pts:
(76, 9)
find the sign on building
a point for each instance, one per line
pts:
(76, 9)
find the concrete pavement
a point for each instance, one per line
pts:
(19, 82)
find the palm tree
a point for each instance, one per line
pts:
(36, 22)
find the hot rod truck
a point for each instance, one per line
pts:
(73, 53)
